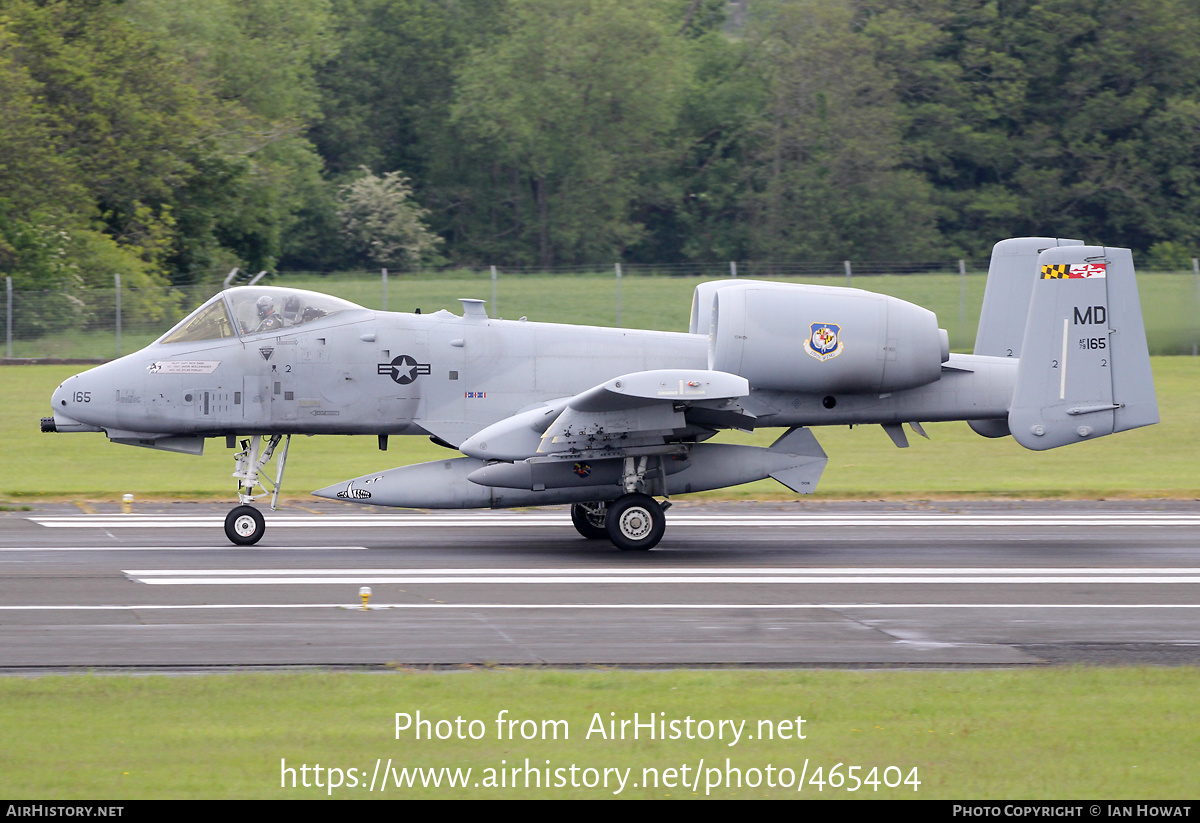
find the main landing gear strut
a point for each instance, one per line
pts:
(244, 525)
(635, 521)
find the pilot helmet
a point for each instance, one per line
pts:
(265, 305)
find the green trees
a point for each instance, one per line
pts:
(1069, 117)
(573, 107)
(173, 140)
(382, 224)
(824, 154)
(253, 65)
(92, 144)
(169, 146)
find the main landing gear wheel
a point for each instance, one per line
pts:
(588, 519)
(245, 525)
(635, 522)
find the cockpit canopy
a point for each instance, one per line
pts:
(253, 310)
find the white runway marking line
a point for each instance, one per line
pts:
(526, 520)
(888, 576)
(230, 548)
(615, 606)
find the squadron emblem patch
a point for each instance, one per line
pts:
(583, 469)
(824, 341)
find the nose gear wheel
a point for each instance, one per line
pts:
(245, 526)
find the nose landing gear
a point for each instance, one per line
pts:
(244, 525)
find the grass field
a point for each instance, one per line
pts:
(1074, 733)
(1170, 304)
(1011, 734)
(1157, 461)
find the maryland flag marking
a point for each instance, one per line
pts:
(1073, 271)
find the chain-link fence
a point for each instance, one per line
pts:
(106, 323)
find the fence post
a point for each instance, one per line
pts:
(732, 269)
(8, 315)
(495, 299)
(846, 265)
(117, 282)
(384, 274)
(618, 295)
(1196, 272)
(962, 290)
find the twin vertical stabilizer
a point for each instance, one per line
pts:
(1085, 366)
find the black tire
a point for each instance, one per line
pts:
(589, 523)
(245, 526)
(635, 523)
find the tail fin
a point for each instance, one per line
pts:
(1085, 368)
(1012, 274)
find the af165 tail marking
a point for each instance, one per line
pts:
(613, 421)
(1096, 381)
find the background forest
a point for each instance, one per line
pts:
(170, 140)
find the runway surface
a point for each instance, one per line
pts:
(841, 584)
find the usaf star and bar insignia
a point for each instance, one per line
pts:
(403, 369)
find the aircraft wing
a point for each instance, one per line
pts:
(633, 411)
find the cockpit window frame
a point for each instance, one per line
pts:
(180, 329)
(297, 308)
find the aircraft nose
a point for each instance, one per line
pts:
(80, 399)
(61, 397)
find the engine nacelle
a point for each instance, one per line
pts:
(821, 339)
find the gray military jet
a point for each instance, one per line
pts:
(608, 420)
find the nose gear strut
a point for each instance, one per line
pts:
(244, 525)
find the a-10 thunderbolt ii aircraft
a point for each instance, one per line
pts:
(610, 419)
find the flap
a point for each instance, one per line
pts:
(637, 410)
(633, 410)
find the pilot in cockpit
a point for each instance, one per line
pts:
(268, 320)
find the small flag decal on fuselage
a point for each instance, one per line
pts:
(1073, 271)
